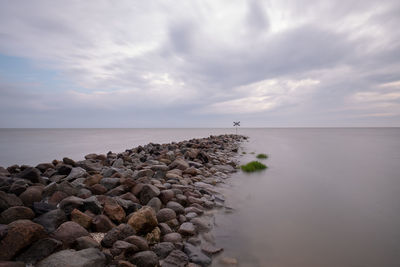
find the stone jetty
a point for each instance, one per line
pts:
(143, 207)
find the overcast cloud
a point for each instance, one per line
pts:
(199, 63)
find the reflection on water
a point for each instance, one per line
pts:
(329, 198)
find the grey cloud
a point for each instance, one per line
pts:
(211, 63)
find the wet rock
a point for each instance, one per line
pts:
(16, 213)
(81, 218)
(51, 220)
(175, 206)
(196, 256)
(176, 259)
(120, 232)
(68, 204)
(143, 220)
(172, 237)
(31, 174)
(224, 168)
(187, 229)
(210, 248)
(138, 241)
(155, 203)
(12, 264)
(20, 234)
(228, 261)
(114, 211)
(144, 259)
(76, 172)
(101, 223)
(202, 224)
(68, 232)
(84, 242)
(71, 258)
(40, 250)
(148, 192)
(163, 249)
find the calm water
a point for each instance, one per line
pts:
(330, 198)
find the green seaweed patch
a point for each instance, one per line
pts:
(262, 156)
(253, 166)
(244, 152)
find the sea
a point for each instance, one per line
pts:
(329, 198)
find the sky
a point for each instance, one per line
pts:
(202, 63)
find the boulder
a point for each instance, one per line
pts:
(40, 250)
(84, 242)
(138, 241)
(9, 200)
(180, 164)
(143, 220)
(148, 192)
(165, 215)
(114, 211)
(120, 232)
(187, 229)
(155, 203)
(31, 194)
(20, 234)
(166, 195)
(31, 174)
(42, 207)
(144, 259)
(83, 258)
(101, 223)
(176, 259)
(163, 249)
(92, 180)
(68, 204)
(68, 232)
(51, 220)
(92, 204)
(16, 213)
(81, 218)
(196, 256)
(175, 206)
(76, 172)
(173, 238)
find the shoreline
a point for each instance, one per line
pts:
(145, 206)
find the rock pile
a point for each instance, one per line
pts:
(142, 207)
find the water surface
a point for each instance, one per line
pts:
(331, 197)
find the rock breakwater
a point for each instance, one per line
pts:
(142, 207)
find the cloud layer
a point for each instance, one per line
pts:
(199, 63)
